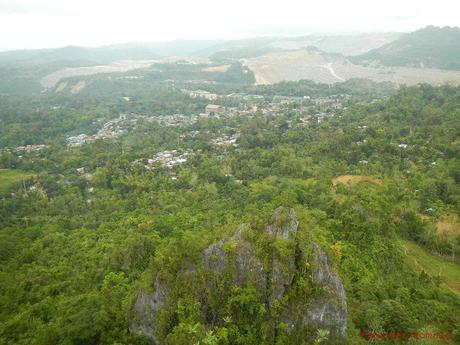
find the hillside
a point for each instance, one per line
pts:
(137, 226)
(431, 47)
(345, 44)
(313, 64)
(421, 260)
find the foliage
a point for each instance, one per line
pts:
(75, 248)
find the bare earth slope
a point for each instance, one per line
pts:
(307, 64)
(52, 79)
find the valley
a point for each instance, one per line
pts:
(300, 190)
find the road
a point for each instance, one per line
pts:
(328, 66)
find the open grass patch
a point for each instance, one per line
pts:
(352, 179)
(9, 176)
(448, 225)
(421, 259)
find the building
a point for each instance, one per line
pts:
(204, 94)
(213, 109)
(77, 140)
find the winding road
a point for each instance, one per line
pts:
(328, 66)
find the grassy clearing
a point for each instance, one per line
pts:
(352, 179)
(420, 259)
(448, 225)
(8, 177)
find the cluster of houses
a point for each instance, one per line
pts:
(202, 93)
(211, 110)
(83, 173)
(218, 111)
(176, 120)
(165, 159)
(77, 140)
(226, 140)
(304, 121)
(114, 128)
(131, 77)
(26, 148)
(110, 130)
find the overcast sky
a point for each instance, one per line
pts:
(54, 23)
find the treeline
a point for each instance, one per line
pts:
(353, 87)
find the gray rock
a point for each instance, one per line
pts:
(329, 309)
(146, 309)
(284, 223)
(233, 261)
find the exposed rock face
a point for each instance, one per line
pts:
(247, 264)
(284, 223)
(329, 310)
(147, 308)
(237, 262)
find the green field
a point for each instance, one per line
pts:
(421, 259)
(8, 177)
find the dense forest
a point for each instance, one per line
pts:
(371, 172)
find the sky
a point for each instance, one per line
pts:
(28, 24)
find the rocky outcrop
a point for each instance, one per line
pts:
(271, 279)
(146, 310)
(329, 309)
(284, 223)
(238, 262)
(243, 262)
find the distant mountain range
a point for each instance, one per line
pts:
(430, 55)
(431, 47)
(243, 48)
(107, 54)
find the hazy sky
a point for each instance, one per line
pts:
(53, 23)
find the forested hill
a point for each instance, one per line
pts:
(431, 47)
(88, 229)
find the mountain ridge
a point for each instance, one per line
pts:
(429, 47)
